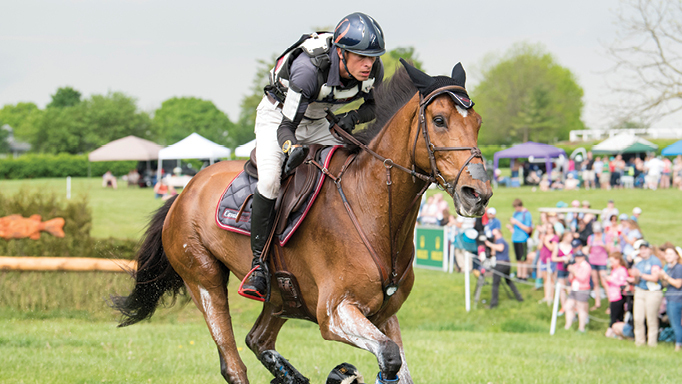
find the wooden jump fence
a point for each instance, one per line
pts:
(74, 264)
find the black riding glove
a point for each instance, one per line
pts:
(295, 156)
(348, 120)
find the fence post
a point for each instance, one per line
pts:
(467, 287)
(555, 308)
(68, 187)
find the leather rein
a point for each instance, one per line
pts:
(390, 281)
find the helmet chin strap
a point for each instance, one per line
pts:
(345, 65)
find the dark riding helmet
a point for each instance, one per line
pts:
(361, 34)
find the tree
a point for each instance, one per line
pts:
(87, 125)
(648, 53)
(19, 117)
(65, 97)
(178, 117)
(526, 95)
(243, 132)
(110, 117)
(391, 60)
(4, 135)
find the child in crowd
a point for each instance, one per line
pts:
(596, 248)
(615, 282)
(549, 242)
(580, 291)
(561, 255)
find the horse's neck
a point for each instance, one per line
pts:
(394, 142)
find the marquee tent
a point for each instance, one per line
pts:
(127, 148)
(530, 150)
(193, 146)
(623, 143)
(673, 149)
(244, 150)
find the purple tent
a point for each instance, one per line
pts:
(531, 149)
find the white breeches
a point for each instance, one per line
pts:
(269, 155)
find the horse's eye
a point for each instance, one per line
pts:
(439, 121)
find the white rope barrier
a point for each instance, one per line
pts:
(557, 292)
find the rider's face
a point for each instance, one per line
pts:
(359, 66)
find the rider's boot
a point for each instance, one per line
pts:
(256, 284)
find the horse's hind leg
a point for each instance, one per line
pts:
(348, 324)
(209, 293)
(261, 340)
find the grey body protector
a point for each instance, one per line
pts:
(317, 47)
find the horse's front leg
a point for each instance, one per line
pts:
(261, 340)
(391, 328)
(347, 323)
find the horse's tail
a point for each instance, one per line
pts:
(154, 276)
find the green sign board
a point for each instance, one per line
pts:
(431, 248)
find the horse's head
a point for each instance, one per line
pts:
(446, 139)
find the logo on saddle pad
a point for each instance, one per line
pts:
(231, 202)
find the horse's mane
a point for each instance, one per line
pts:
(390, 96)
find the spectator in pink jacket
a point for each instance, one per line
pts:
(615, 282)
(580, 291)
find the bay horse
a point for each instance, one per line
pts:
(352, 255)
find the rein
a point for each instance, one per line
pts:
(390, 281)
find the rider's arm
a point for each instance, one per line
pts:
(302, 88)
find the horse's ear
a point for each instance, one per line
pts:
(420, 79)
(459, 75)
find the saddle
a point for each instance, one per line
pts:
(296, 188)
(298, 193)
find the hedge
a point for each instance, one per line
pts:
(61, 165)
(78, 221)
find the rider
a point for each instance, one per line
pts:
(322, 71)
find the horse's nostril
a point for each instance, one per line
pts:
(470, 193)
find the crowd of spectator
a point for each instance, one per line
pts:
(584, 252)
(590, 172)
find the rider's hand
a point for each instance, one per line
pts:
(348, 120)
(296, 156)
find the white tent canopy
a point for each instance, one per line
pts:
(624, 143)
(193, 146)
(244, 150)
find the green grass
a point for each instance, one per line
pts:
(444, 343)
(55, 327)
(121, 213)
(124, 213)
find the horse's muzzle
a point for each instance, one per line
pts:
(472, 200)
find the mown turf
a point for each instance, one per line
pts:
(444, 344)
(63, 332)
(124, 213)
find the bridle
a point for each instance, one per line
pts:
(435, 172)
(390, 281)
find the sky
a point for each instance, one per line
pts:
(153, 50)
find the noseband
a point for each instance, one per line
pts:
(436, 175)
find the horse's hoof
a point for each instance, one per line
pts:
(380, 380)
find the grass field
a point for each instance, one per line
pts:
(123, 213)
(444, 344)
(60, 334)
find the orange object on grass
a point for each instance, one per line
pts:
(18, 227)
